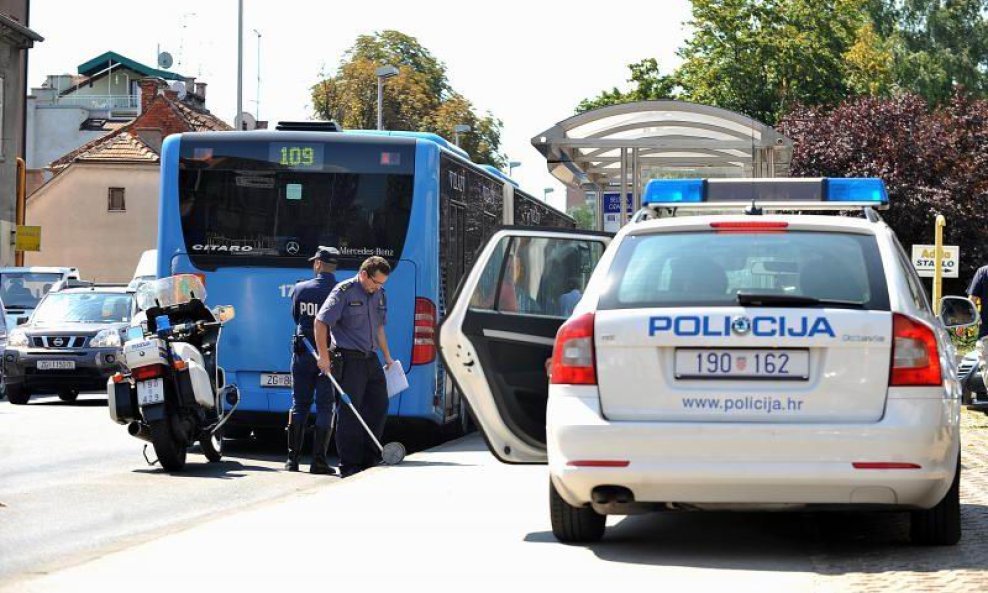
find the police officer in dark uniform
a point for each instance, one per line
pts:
(356, 312)
(307, 297)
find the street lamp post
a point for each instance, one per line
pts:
(257, 97)
(383, 73)
(512, 165)
(238, 123)
(545, 194)
(457, 130)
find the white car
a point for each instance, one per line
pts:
(732, 361)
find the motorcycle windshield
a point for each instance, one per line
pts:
(170, 291)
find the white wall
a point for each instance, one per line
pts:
(53, 131)
(77, 230)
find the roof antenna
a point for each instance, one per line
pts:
(753, 210)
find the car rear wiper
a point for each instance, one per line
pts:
(791, 300)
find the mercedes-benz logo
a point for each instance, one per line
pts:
(741, 325)
(292, 248)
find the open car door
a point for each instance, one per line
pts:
(499, 330)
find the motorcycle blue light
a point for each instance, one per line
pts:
(674, 191)
(864, 189)
(162, 323)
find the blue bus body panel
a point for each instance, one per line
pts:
(258, 340)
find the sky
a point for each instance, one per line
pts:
(527, 62)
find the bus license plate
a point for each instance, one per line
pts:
(56, 365)
(150, 392)
(705, 363)
(276, 380)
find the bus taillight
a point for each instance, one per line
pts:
(424, 335)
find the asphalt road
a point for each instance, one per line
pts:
(83, 512)
(74, 484)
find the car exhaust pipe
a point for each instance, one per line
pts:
(139, 430)
(603, 495)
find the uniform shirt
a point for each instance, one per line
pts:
(307, 297)
(353, 315)
(979, 288)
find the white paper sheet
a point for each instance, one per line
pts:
(395, 376)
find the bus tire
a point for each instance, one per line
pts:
(574, 525)
(170, 453)
(941, 525)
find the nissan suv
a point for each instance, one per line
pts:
(70, 344)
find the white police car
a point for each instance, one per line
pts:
(733, 361)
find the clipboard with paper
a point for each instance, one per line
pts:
(395, 376)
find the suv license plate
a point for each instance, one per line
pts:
(706, 363)
(150, 392)
(56, 365)
(276, 380)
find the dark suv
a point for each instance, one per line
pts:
(71, 343)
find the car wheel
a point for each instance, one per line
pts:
(574, 525)
(17, 395)
(941, 525)
(68, 395)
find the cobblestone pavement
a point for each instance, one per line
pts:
(872, 553)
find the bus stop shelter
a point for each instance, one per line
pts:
(619, 148)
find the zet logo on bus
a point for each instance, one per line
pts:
(762, 326)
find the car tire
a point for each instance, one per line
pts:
(170, 453)
(68, 395)
(17, 395)
(574, 525)
(941, 525)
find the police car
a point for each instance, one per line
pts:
(741, 360)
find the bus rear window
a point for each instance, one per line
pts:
(275, 205)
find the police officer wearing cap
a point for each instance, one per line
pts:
(356, 312)
(307, 297)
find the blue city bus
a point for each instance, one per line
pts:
(245, 211)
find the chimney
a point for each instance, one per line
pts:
(201, 91)
(149, 90)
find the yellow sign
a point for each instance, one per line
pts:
(28, 238)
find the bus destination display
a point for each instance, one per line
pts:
(297, 155)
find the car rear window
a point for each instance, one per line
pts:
(710, 269)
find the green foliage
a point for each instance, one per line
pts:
(584, 217)
(649, 84)
(419, 98)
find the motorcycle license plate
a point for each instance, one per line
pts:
(56, 365)
(276, 380)
(150, 392)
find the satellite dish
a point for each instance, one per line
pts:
(247, 121)
(165, 60)
(179, 87)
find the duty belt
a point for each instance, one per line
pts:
(356, 353)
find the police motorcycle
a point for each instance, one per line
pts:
(172, 392)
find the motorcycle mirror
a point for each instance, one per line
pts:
(224, 313)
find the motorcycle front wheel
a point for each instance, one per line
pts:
(170, 453)
(212, 445)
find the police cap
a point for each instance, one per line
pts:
(327, 255)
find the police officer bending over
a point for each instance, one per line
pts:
(356, 312)
(307, 297)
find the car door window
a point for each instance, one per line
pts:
(544, 276)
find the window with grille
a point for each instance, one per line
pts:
(116, 200)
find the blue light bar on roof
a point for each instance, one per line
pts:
(772, 193)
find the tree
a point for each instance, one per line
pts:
(760, 57)
(650, 84)
(419, 98)
(932, 161)
(584, 216)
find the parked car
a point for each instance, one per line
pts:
(22, 287)
(71, 343)
(146, 270)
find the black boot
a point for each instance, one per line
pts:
(296, 433)
(320, 445)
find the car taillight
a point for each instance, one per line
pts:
(424, 333)
(573, 361)
(148, 372)
(915, 358)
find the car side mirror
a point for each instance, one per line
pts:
(958, 312)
